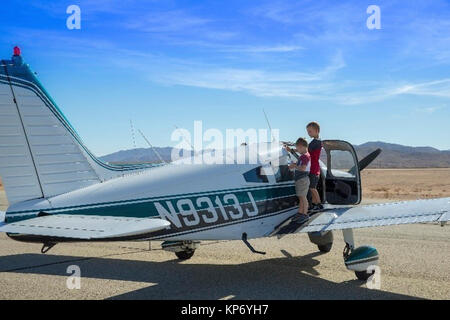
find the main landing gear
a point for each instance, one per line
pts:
(324, 241)
(361, 260)
(325, 248)
(185, 254)
(184, 250)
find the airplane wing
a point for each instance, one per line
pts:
(84, 227)
(433, 210)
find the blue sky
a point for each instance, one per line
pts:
(166, 63)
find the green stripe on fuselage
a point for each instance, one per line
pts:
(146, 208)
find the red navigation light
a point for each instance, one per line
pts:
(16, 51)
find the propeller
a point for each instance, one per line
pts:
(363, 163)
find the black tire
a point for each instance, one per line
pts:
(363, 275)
(185, 255)
(325, 247)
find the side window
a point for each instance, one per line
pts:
(284, 174)
(255, 175)
(342, 163)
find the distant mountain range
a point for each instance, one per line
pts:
(399, 156)
(392, 156)
(138, 155)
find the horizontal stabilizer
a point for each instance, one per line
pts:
(434, 210)
(85, 227)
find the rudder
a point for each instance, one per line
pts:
(41, 155)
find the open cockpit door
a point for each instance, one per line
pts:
(342, 179)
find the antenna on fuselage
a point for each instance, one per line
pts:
(151, 146)
(268, 124)
(132, 134)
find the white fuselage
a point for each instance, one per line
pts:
(202, 202)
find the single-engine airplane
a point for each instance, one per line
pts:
(58, 191)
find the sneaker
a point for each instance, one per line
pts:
(317, 207)
(300, 218)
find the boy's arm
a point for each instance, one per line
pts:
(297, 167)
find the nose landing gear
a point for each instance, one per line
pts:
(360, 260)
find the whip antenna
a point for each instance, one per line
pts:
(132, 134)
(154, 150)
(268, 124)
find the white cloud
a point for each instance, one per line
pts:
(436, 88)
(429, 110)
(320, 85)
(318, 22)
(259, 82)
(271, 76)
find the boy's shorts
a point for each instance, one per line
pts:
(313, 181)
(302, 187)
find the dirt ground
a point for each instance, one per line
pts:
(405, 184)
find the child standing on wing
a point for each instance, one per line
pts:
(314, 149)
(301, 172)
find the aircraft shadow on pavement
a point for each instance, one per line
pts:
(278, 278)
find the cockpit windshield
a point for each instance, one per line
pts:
(281, 168)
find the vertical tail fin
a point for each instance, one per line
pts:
(41, 155)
